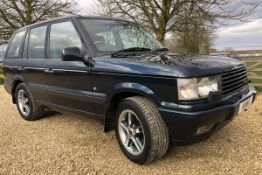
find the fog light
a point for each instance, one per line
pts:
(204, 129)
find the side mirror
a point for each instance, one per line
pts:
(72, 54)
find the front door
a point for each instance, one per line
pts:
(68, 81)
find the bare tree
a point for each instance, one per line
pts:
(163, 16)
(18, 13)
(105, 8)
(190, 40)
(194, 31)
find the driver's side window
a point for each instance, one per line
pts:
(62, 35)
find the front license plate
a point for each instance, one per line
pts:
(243, 106)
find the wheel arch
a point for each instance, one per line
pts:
(120, 92)
(17, 79)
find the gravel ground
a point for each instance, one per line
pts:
(72, 144)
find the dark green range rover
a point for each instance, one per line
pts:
(115, 71)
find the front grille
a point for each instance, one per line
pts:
(234, 80)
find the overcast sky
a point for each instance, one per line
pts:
(241, 36)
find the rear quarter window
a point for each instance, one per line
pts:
(15, 45)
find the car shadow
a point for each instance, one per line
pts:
(48, 113)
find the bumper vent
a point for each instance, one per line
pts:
(234, 80)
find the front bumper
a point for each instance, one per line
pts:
(183, 126)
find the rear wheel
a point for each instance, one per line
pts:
(26, 105)
(140, 130)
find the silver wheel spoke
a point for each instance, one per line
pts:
(22, 95)
(129, 119)
(27, 108)
(137, 144)
(22, 107)
(127, 141)
(20, 100)
(124, 127)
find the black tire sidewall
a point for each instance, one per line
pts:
(31, 102)
(128, 104)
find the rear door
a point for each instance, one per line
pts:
(68, 81)
(13, 61)
(34, 62)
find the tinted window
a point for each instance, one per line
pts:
(105, 41)
(111, 35)
(36, 43)
(15, 45)
(63, 35)
(133, 37)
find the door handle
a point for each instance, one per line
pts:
(49, 71)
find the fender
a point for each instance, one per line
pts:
(16, 78)
(133, 88)
(127, 87)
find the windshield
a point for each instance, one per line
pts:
(112, 35)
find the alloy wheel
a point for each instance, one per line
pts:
(131, 132)
(23, 102)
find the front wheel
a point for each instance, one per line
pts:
(140, 130)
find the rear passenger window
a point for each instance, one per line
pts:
(36, 43)
(62, 35)
(15, 46)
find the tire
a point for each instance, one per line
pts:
(148, 130)
(34, 111)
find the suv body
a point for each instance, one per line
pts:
(174, 98)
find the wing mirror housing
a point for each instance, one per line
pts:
(72, 54)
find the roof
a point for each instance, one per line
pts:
(71, 17)
(50, 20)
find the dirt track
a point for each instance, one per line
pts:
(72, 144)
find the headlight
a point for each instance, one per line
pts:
(193, 88)
(187, 89)
(207, 85)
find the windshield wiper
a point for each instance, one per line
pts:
(130, 51)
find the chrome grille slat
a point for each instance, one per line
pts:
(234, 80)
(224, 83)
(233, 89)
(234, 75)
(235, 83)
(235, 70)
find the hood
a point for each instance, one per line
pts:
(171, 65)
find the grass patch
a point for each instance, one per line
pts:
(259, 89)
(255, 74)
(256, 81)
(1, 79)
(250, 64)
